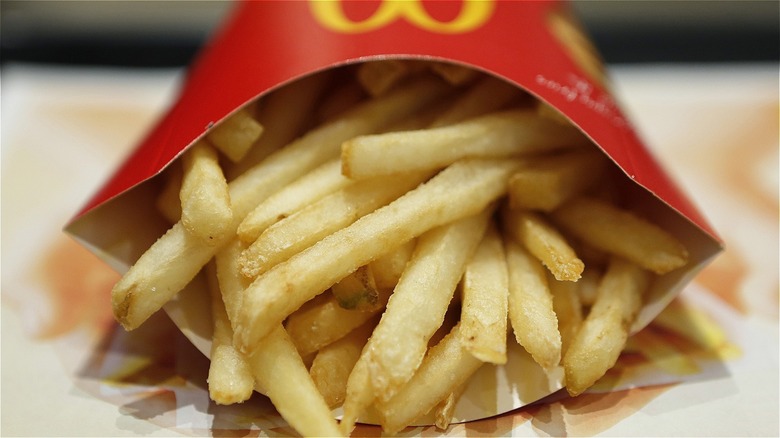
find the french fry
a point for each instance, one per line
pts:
(545, 243)
(230, 379)
(485, 292)
(502, 134)
(588, 284)
(603, 334)
(323, 321)
(453, 73)
(283, 377)
(358, 291)
(377, 77)
(205, 201)
(387, 268)
(333, 364)
(531, 308)
(622, 233)
(567, 308)
(231, 283)
(359, 394)
(545, 183)
(400, 340)
(278, 292)
(295, 233)
(489, 94)
(446, 367)
(444, 411)
(236, 134)
(661, 353)
(298, 194)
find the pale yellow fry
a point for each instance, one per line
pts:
(622, 233)
(377, 77)
(158, 275)
(306, 227)
(283, 377)
(236, 134)
(661, 353)
(545, 243)
(168, 202)
(171, 262)
(603, 334)
(463, 189)
(692, 324)
(387, 268)
(485, 292)
(333, 364)
(547, 182)
(358, 291)
(446, 367)
(231, 282)
(230, 379)
(298, 194)
(567, 307)
(588, 284)
(359, 394)
(531, 308)
(283, 114)
(323, 321)
(400, 340)
(444, 411)
(205, 201)
(501, 134)
(487, 95)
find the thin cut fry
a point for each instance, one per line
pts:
(283, 377)
(502, 134)
(387, 268)
(531, 307)
(662, 353)
(446, 367)
(545, 183)
(230, 379)
(333, 364)
(400, 340)
(604, 332)
(304, 228)
(377, 77)
(358, 291)
(485, 292)
(622, 233)
(235, 135)
(298, 194)
(453, 73)
(444, 411)
(487, 95)
(545, 243)
(568, 309)
(205, 202)
(461, 190)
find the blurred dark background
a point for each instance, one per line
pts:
(169, 33)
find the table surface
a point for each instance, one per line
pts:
(68, 370)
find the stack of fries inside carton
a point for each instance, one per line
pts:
(372, 235)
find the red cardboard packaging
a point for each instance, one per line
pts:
(264, 45)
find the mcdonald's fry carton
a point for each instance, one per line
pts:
(265, 48)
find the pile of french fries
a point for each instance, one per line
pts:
(370, 234)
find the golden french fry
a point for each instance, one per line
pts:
(692, 324)
(502, 134)
(359, 394)
(333, 364)
(588, 285)
(283, 377)
(323, 321)
(544, 242)
(444, 411)
(446, 367)
(236, 134)
(462, 189)
(485, 292)
(661, 353)
(489, 94)
(545, 183)
(622, 233)
(231, 282)
(602, 336)
(295, 233)
(531, 306)
(400, 340)
(230, 379)
(567, 307)
(358, 291)
(205, 201)
(306, 190)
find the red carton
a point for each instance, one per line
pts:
(264, 45)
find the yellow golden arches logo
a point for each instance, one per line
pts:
(473, 14)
